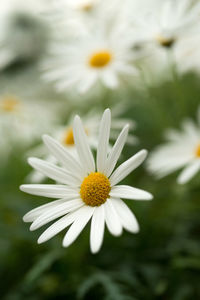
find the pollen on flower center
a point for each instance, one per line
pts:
(164, 41)
(100, 59)
(197, 151)
(95, 189)
(9, 104)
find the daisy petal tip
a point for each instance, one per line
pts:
(45, 137)
(144, 152)
(180, 181)
(31, 160)
(22, 188)
(26, 218)
(94, 250)
(64, 244)
(127, 126)
(134, 230)
(118, 233)
(149, 196)
(137, 230)
(77, 119)
(107, 111)
(40, 240)
(33, 227)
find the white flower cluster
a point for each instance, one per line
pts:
(92, 46)
(107, 42)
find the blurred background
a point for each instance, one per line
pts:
(151, 83)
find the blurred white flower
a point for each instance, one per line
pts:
(163, 29)
(181, 151)
(168, 21)
(22, 31)
(88, 189)
(76, 17)
(21, 122)
(90, 60)
(102, 54)
(64, 135)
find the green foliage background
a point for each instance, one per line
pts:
(161, 262)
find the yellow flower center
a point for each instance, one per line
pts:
(95, 189)
(68, 137)
(100, 59)
(86, 7)
(165, 42)
(9, 104)
(197, 151)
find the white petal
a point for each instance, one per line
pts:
(54, 172)
(104, 134)
(167, 159)
(128, 192)
(126, 216)
(87, 83)
(56, 212)
(127, 167)
(36, 212)
(49, 190)
(189, 172)
(85, 213)
(82, 146)
(112, 220)
(97, 229)
(110, 79)
(191, 129)
(116, 150)
(62, 85)
(63, 156)
(58, 226)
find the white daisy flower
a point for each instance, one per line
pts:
(87, 190)
(182, 150)
(102, 56)
(167, 22)
(76, 17)
(160, 28)
(21, 122)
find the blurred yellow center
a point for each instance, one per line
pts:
(86, 6)
(68, 137)
(165, 42)
(100, 59)
(9, 104)
(197, 151)
(95, 189)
